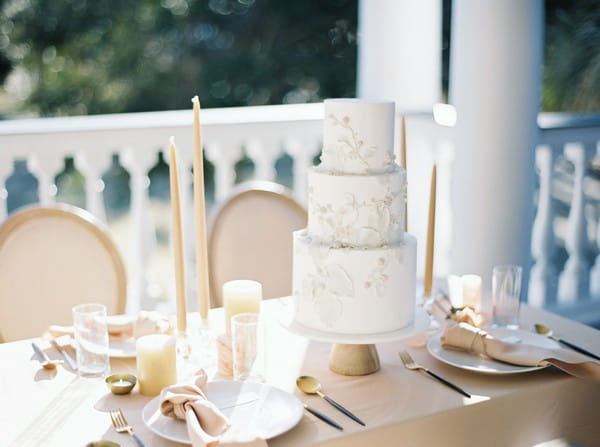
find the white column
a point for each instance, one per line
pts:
(399, 51)
(495, 78)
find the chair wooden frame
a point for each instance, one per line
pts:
(80, 217)
(239, 193)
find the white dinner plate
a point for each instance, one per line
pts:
(121, 349)
(472, 362)
(273, 410)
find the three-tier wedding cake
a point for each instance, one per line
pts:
(354, 265)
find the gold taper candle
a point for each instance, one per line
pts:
(430, 235)
(403, 165)
(177, 241)
(200, 213)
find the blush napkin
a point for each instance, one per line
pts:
(206, 425)
(468, 338)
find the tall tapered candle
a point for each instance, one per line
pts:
(200, 212)
(430, 235)
(403, 165)
(177, 241)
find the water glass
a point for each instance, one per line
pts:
(248, 347)
(91, 339)
(506, 295)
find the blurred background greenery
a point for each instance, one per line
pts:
(76, 57)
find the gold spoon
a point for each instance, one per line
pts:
(310, 385)
(546, 331)
(46, 362)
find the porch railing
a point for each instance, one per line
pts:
(566, 272)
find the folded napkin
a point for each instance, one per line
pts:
(206, 425)
(468, 338)
(127, 326)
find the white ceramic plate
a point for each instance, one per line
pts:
(121, 349)
(471, 362)
(420, 324)
(274, 411)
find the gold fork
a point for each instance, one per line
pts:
(409, 363)
(122, 426)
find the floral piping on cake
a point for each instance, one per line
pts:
(326, 286)
(341, 221)
(351, 147)
(378, 278)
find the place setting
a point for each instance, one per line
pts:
(499, 346)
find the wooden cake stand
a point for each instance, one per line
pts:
(356, 355)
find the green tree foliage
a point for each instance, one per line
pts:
(572, 56)
(104, 56)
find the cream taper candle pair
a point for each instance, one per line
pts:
(200, 219)
(157, 355)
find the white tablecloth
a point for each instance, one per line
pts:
(40, 408)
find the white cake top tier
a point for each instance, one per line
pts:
(358, 136)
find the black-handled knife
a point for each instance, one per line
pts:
(324, 418)
(576, 348)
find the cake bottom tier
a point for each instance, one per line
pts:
(354, 290)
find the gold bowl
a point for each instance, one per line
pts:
(120, 383)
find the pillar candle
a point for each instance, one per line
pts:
(156, 363)
(240, 296)
(177, 241)
(471, 290)
(200, 213)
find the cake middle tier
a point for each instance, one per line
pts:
(356, 210)
(354, 290)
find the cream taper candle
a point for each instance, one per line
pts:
(200, 213)
(156, 363)
(240, 296)
(429, 251)
(177, 241)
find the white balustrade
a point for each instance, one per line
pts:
(263, 134)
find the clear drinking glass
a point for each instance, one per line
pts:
(248, 347)
(506, 295)
(91, 339)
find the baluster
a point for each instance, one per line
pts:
(263, 154)
(595, 272)
(543, 278)
(94, 163)
(6, 168)
(223, 157)
(46, 166)
(138, 162)
(303, 153)
(573, 282)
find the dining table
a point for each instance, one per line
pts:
(398, 406)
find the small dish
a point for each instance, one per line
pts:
(120, 383)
